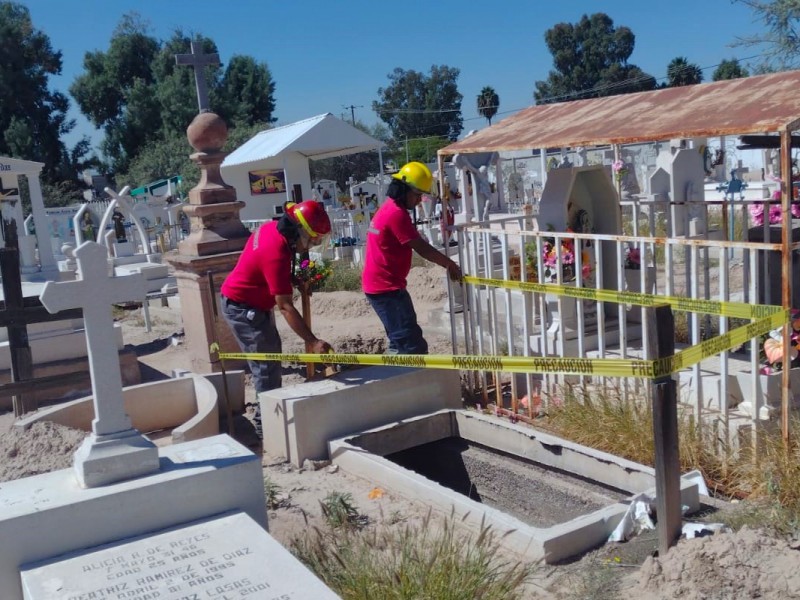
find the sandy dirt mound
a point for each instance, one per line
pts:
(43, 448)
(427, 285)
(746, 564)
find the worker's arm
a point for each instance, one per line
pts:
(429, 253)
(298, 325)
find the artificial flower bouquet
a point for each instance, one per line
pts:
(633, 258)
(773, 346)
(311, 274)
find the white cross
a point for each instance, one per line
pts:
(94, 291)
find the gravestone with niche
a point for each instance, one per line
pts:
(227, 557)
(581, 198)
(687, 181)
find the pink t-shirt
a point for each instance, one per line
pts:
(263, 270)
(388, 258)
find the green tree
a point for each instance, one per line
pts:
(590, 60)
(247, 92)
(32, 117)
(729, 69)
(488, 103)
(418, 105)
(140, 97)
(779, 37)
(681, 72)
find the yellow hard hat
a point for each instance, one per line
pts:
(417, 175)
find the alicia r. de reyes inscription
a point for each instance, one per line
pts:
(222, 559)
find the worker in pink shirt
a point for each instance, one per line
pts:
(391, 238)
(262, 280)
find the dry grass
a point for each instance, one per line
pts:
(624, 428)
(405, 562)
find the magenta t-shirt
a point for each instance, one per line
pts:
(263, 270)
(388, 258)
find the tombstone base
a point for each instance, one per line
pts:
(102, 460)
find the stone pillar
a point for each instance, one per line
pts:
(199, 324)
(214, 243)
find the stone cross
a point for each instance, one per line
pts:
(115, 450)
(197, 60)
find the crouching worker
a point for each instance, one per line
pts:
(262, 280)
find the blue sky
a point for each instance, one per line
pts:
(327, 55)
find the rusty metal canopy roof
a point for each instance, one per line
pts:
(761, 104)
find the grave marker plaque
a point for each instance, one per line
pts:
(223, 558)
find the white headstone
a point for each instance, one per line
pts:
(115, 450)
(227, 557)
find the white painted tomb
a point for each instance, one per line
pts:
(300, 420)
(122, 486)
(226, 557)
(51, 514)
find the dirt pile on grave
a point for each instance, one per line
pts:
(44, 447)
(745, 564)
(427, 285)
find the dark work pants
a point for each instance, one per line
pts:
(256, 332)
(396, 311)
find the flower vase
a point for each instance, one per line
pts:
(633, 283)
(768, 392)
(563, 319)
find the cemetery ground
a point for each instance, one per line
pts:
(346, 527)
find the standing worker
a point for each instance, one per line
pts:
(262, 279)
(390, 239)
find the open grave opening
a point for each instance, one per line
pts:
(535, 494)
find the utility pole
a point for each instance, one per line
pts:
(352, 112)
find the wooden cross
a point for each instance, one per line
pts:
(16, 314)
(197, 60)
(95, 292)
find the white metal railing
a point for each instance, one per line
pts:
(503, 321)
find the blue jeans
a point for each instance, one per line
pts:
(396, 312)
(256, 332)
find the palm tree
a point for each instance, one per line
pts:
(488, 103)
(681, 72)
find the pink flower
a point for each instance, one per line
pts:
(795, 208)
(757, 213)
(586, 270)
(304, 264)
(775, 213)
(765, 370)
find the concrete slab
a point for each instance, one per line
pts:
(298, 421)
(363, 455)
(51, 514)
(224, 557)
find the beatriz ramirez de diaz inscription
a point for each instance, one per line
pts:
(182, 564)
(228, 558)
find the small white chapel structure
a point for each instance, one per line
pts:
(272, 167)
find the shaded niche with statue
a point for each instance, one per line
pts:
(119, 226)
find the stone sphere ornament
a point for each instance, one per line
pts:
(207, 132)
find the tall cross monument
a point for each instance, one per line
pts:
(198, 61)
(114, 450)
(217, 234)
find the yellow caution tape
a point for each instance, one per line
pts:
(768, 318)
(606, 367)
(711, 307)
